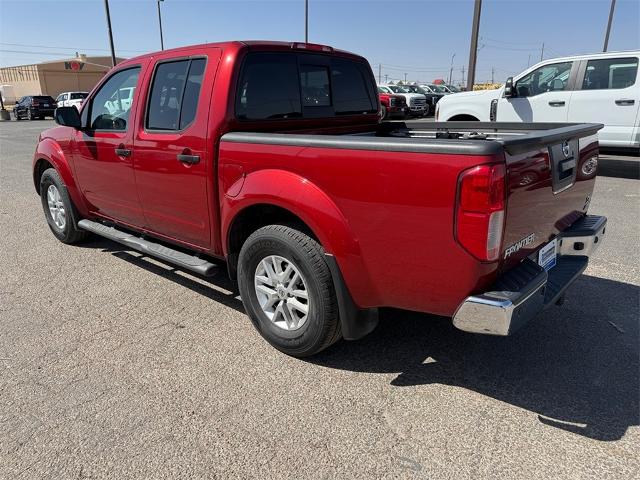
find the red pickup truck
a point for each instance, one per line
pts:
(392, 105)
(270, 158)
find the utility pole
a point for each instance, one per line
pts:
(529, 61)
(405, 78)
(379, 73)
(492, 71)
(606, 36)
(463, 75)
(542, 52)
(113, 51)
(473, 49)
(306, 21)
(386, 78)
(451, 69)
(160, 24)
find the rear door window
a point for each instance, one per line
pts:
(610, 73)
(174, 94)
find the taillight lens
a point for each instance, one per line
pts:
(481, 210)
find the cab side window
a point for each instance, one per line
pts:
(110, 107)
(610, 73)
(174, 94)
(548, 78)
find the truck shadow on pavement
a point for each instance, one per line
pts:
(576, 366)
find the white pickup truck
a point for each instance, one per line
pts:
(599, 88)
(71, 99)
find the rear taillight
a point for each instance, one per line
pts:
(35, 104)
(480, 211)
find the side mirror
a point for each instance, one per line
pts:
(509, 91)
(67, 117)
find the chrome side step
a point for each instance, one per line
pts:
(181, 259)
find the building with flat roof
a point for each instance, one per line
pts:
(52, 78)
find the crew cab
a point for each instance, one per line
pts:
(392, 105)
(71, 99)
(416, 102)
(269, 158)
(602, 88)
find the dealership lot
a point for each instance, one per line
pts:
(113, 365)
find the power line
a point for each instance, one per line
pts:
(68, 48)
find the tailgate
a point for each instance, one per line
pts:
(549, 187)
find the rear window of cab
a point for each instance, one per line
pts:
(293, 85)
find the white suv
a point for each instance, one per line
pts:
(71, 99)
(599, 88)
(416, 102)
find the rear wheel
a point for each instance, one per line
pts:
(16, 115)
(287, 290)
(59, 211)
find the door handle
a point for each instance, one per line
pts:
(189, 159)
(625, 101)
(122, 152)
(559, 103)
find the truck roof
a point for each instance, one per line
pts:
(236, 45)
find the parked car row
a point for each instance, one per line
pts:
(31, 107)
(420, 100)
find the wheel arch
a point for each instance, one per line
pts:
(283, 195)
(463, 117)
(49, 155)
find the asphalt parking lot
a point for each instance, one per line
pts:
(113, 365)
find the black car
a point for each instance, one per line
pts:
(34, 106)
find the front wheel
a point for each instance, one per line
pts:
(287, 290)
(58, 208)
(29, 114)
(384, 112)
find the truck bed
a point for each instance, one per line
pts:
(396, 186)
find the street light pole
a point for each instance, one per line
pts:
(473, 49)
(606, 36)
(113, 51)
(306, 21)
(160, 24)
(451, 69)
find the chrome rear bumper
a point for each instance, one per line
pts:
(524, 291)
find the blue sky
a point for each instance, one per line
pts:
(416, 37)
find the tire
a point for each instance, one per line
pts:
(17, 115)
(276, 245)
(29, 114)
(67, 231)
(384, 112)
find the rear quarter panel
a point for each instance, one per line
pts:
(398, 210)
